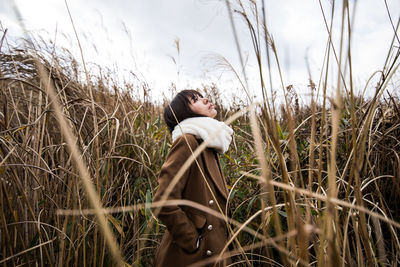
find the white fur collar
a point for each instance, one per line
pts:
(217, 134)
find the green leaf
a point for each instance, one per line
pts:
(232, 194)
(284, 214)
(251, 203)
(148, 204)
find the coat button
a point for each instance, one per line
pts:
(209, 252)
(209, 227)
(211, 202)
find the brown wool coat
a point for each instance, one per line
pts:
(184, 223)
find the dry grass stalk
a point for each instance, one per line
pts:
(116, 134)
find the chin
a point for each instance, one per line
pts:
(213, 114)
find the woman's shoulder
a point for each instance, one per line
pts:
(183, 146)
(186, 138)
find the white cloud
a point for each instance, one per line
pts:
(203, 28)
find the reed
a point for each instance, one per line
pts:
(310, 184)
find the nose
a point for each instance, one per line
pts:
(205, 100)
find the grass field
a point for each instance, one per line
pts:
(310, 184)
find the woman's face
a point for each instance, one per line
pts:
(202, 106)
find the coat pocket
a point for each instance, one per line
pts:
(199, 220)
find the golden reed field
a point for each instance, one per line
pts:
(315, 184)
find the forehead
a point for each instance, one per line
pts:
(194, 93)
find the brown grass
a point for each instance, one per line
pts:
(313, 184)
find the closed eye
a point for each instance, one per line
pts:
(195, 98)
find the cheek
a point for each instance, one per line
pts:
(197, 109)
(194, 108)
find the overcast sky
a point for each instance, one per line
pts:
(138, 36)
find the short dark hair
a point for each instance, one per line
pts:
(180, 105)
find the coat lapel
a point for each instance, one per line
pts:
(214, 172)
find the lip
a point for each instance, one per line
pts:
(211, 106)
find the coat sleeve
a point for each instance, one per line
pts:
(183, 231)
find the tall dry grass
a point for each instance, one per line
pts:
(313, 184)
(331, 244)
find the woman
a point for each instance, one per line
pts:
(193, 235)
